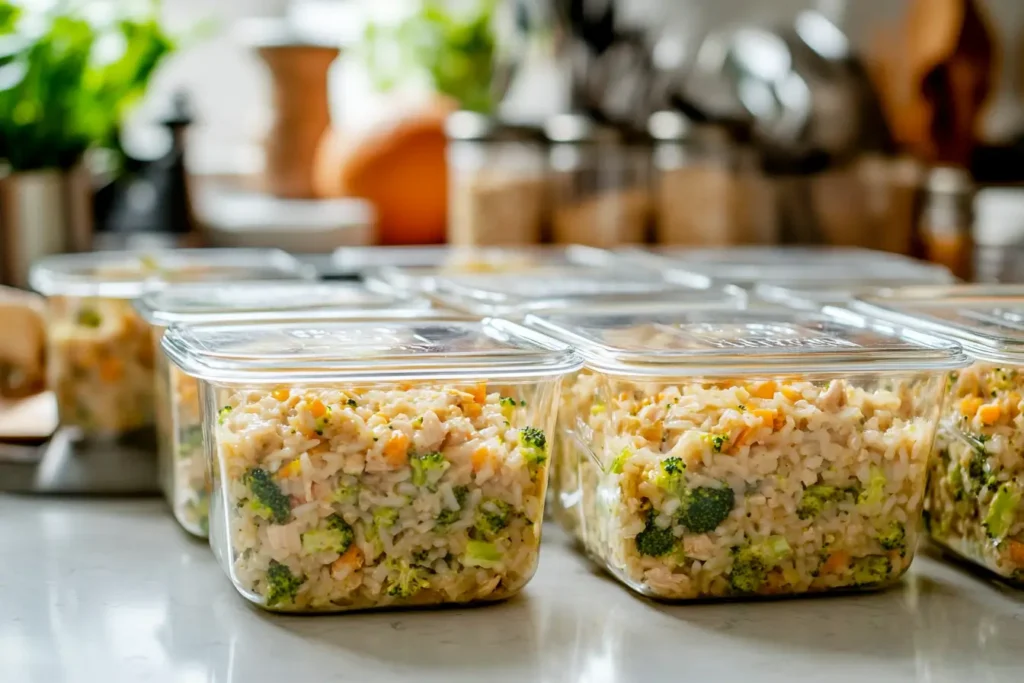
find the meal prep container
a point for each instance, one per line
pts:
(738, 453)
(814, 294)
(375, 464)
(100, 352)
(976, 474)
(513, 295)
(410, 277)
(183, 465)
(749, 266)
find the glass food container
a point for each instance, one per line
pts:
(375, 464)
(976, 479)
(600, 184)
(738, 453)
(100, 352)
(815, 294)
(497, 190)
(183, 465)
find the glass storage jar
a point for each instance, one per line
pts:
(375, 464)
(975, 502)
(496, 182)
(99, 351)
(737, 453)
(182, 460)
(600, 183)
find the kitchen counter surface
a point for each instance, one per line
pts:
(105, 591)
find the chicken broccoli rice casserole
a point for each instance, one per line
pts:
(689, 487)
(337, 495)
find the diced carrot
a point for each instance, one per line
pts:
(969, 406)
(479, 458)
(351, 559)
(989, 413)
(280, 394)
(471, 409)
(1016, 552)
(791, 394)
(767, 416)
(317, 408)
(653, 432)
(292, 469)
(480, 392)
(1014, 400)
(396, 450)
(742, 439)
(111, 369)
(625, 395)
(764, 390)
(836, 562)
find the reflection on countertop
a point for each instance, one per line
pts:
(110, 591)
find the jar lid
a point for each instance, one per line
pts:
(987, 320)
(195, 303)
(128, 274)
(317, 350)
(686, 341)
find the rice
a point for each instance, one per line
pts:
(100, 361)
(699, 489)
(974, 500)
(345, 498)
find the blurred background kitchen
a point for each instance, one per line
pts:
(314, 124)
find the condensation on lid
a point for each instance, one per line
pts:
(987, 320)
(544, 288)
(689, 341)
(750, 265)
(325, 349)
(128, 274)
(193, 303)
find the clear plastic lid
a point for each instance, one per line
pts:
(127, 274)
(987, 320)
(694, 342)
(748, 266)
(195, 303)
(818, 293)
(416, 269)
(548, 288)
(325, 350)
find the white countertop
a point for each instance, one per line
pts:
(95, 591)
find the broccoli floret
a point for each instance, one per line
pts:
(320, 423)
(533, 445)
(425, 464)
(874, 493)
(716, 441)
(751, 563)
(384, 517)
(620, 460)
(481, 554)
(282, 585)
(352, 403)
(346, 494)
(1002, 511)
(894, 537)
(493, 515)
(871, 569)
(451, 516)
(671, 476)
(978, 475)
(816, 498)
(655, 541)
(508, 406)
(705, 507)
(410, 580)
(89, 317)
(956, 482)
(222, 414)
(268, 500)
(335, 537)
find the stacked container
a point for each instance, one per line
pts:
(360, 465)
(183, 465)
(100, 352)
(735, 453)
(975, 503)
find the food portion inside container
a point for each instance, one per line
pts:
(180, 441)
(100, 355)
(515, 294)
(976, 478)
(373, 464)
(732, 453)
(747, 267)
